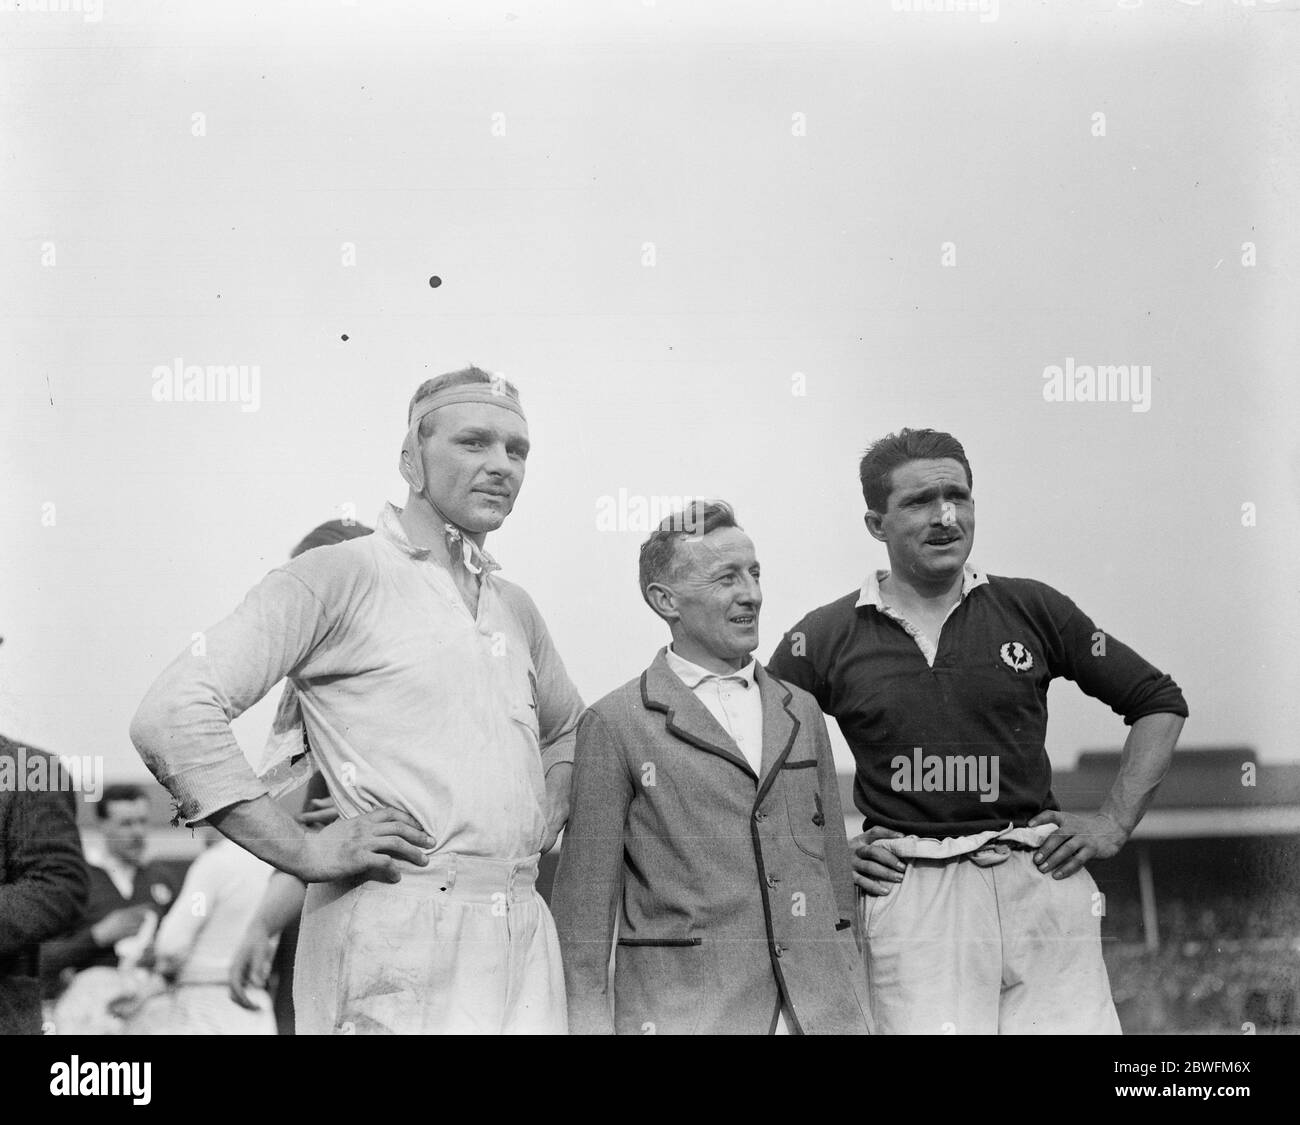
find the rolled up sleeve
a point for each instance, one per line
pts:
(182, 728)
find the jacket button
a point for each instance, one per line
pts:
(819, 820)
(772, 880)
(778, 950)
(760, 816)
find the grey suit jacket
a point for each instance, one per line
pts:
(732, 892)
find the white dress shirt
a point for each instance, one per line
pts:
(733, 700)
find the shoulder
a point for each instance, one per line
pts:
(338, 567)
(833, 617)
(800, 702)
(1029, 594)
(613, 709)
(519, 601)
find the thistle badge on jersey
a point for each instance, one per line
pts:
(1016, 656)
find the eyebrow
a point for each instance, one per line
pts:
(931, 490)
(727, 568)
(483, 433)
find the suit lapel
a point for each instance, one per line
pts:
(779, 726)
(685, 716)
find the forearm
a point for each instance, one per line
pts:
(1148, 752)
(282, 902)
(262, 827)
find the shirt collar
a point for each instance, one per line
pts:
(692, 675)
(971, 578)
(459, 546)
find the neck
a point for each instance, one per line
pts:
(904, 589)
(425, 525)
(719, 665)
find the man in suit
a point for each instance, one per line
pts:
(42, 877)
(128, 895)
(706, 817)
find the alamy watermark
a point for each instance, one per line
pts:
(632, 511)
(91, 11)
(21, 772)
(945, 773)
(987, 9)
(1125, 382)
(183, 382)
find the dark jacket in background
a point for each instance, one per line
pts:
(43, 886)
(156, 887)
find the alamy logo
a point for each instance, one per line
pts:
(1016, 657)
(1113, 382)
(215, 382)
(946, 773)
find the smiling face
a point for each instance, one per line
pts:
(713, 600)
(474, 463)
(928, 524)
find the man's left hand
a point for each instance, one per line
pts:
(1079, 839)
(558, 778)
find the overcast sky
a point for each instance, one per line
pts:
(707, 241)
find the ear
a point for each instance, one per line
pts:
(663, 601)
(411, 466)
(875, 525)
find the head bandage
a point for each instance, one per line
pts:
(491, 394)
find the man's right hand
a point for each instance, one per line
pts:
(876, 869)
(251, 964)
(119, 924)
(363, 845)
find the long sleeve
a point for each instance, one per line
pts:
(1104, 667)
(45, 884)
(180, 929)
(590, 877)
(559, 706)
(182, 728)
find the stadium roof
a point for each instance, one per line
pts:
(1209, 791)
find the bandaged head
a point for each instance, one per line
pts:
(497, 392)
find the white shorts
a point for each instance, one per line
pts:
(960, 949)
(463, 946)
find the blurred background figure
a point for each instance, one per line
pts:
(85, 972)
(43, 883)
(195, 943)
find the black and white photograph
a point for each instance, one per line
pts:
(489, 527)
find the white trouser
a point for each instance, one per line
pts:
(961, 948)
(465, 945)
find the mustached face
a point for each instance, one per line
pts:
(929, 523)
(474, 463)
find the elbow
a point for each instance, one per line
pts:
(151, 728)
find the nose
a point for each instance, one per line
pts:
(498, 460)
(752, 594)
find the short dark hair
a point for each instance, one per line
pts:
(122, 791)
(659, 552)
(466, 376)
(329, 533)
(876, 469)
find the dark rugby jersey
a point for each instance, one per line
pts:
(960, 747)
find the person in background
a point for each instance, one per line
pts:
(194, 945)
(268, 949)
(128, 895)
(43, 883)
